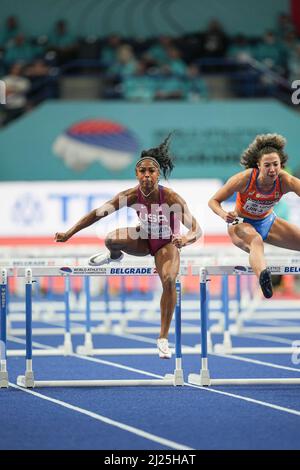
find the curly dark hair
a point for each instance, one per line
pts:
(263, 145)
(162, 156)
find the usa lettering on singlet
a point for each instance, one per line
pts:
(156, 224)
(155, 219)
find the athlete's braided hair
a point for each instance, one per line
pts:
(263, 145)
(161, 155)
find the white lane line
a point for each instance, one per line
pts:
(34, 343)
(272, 322)
(138, 432)
(140, 338)
(255, 361)
(252, 400)
(247, 399)
(273, 339)
(118, 366)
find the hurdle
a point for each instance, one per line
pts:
(277, 314)
(28, 379)
(3, 319)
(87, 330)
(203, 378)
(63, 350)
(227, 348)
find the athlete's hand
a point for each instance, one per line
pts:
(230, 217)
(61, 236)
(179, 241)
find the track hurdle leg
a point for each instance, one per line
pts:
(178, 372)
(3, 315)
(204, 377)
(67, 346)
(106, 297)
(88, 346)
(209, 330)
(27, 380)
(238, 295)
(227, 344)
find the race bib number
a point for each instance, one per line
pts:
(156, 232)
(258, 207)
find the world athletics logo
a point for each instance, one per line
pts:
(96, 140)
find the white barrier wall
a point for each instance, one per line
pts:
(42, 208)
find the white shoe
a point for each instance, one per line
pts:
(103, 258)
(164, 351)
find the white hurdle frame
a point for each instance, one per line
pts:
(203, 378)
(28, 380)
(227, 348)
(87, 330)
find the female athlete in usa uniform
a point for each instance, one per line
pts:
(259, 188)
(160, 211)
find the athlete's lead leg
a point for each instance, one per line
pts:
(125, 240)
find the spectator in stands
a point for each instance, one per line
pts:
(17, 88)
(19, 50)
(215, 40)
(11, 31)
(43, 82)
(195, 86)
(63, 42)
(284, 26)
(125, 66)
(289, 46)
(240, 49)
(108, 54)
(168, 85)
(269, 51)
(294, 64)
(157, 54)
(245, 81)
(139, 86)
(174, 61)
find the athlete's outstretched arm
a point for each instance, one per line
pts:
(120, 200)
(183, 214)
(236, 183)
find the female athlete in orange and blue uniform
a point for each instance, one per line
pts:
(158, 209)
(259, 189)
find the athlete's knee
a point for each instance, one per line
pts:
(111, 240)
(242, 245)
(256, 241)
(168, 281)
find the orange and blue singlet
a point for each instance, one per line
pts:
(156, 221)
(256, 206)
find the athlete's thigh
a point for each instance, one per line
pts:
(244, 232)
(236, 240)
(284, 234)
(130, 241)
(167, 261)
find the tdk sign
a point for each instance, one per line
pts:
(292, 269)
(130, 270)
